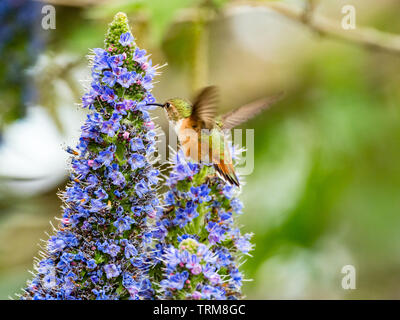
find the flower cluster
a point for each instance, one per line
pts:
(199, 246)
(101, 248)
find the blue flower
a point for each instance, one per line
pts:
(115, 175)
(169, 198)
(141, 188)
(49, 281)
(112, 250)
(124, 223)
(136, 210)
(137, 161)
(106, 157)
(80, 167)
(100, 59)
(98, 245)
(126, 79)
(172, 257)
(206, 206)
(120, 210)
(237, 206)
(137, 144)
(101, 194)
(109, 78)
(193, 264)
(191, 210)
(111, 271)
(243, 245)
(130, 250)
(91, 264)
(126, 39)
(97, 205)
(228, 191)
(115, 61)
(140, 55)
(108, 95)
(88, 99)
(110, 128)
(55, 244)
(175, 281)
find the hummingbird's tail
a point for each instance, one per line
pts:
(227, 171)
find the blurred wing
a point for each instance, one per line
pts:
(248, 111)
(205, 106)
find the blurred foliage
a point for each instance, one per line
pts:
(325, 188)
(159, 12)
(20, 43)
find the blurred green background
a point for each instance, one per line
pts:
(325, 191)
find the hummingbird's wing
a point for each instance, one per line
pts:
(205, 106)
(248, 111)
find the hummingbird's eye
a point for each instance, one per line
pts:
(167, 105)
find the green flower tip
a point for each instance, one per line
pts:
(118, 26)
(189, 245)
(120, 18)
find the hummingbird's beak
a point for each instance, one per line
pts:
(155, 104)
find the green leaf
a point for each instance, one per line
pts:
(120, 153)
(99, 257)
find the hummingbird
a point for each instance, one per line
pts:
(201, 132)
